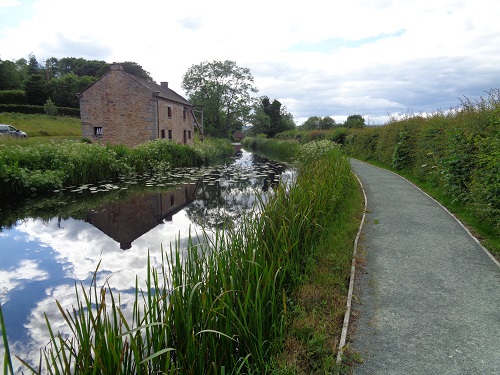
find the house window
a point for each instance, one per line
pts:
(189, 134)
(169, 112)
(170, 134)
(184, 114)
(163, 133)
(98, 131)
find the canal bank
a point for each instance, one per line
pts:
(49, 244)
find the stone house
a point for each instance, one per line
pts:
(121, 108)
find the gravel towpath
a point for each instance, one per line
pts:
(427, 295)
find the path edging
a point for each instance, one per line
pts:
(347, 314)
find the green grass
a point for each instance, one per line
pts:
(232, 304)
(43, 125)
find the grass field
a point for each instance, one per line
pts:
(43, 125)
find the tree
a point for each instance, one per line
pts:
(50, 107)
(63, 90)
(223, 89)
(81, 67)
(355, 121)
(327, 123)
(312, 123)
(36, 89)
(318, 123)
(12, 75)
(271, 118)
(136, 70)
(34, 67)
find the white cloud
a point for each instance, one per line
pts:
(16, 278)
(318, 58)
(9, 3)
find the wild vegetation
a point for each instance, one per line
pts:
(228, 305)
(43, 166)
(455, 155)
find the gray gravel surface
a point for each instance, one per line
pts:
(427, 295)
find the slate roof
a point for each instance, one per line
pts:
(164, 92)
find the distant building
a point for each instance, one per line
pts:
(122, 108)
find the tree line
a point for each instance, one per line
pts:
(224, 91)
(31, 82)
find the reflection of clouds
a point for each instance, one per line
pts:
(27, 270)
(76, 247)
(79, 246)
(38, 336)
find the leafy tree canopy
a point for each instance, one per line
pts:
(36, 88)
(12, 74)
(59, 79)
(223, 89)
(355, 121)
(270, 118)
(318, 123)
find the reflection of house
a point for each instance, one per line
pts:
(125, 221)
(122, 108)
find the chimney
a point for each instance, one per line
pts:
(164, 85)
(116, 66)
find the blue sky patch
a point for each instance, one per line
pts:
(329, 45)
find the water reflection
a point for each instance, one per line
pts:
(48, 245)
(120, 220)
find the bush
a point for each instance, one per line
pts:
(12, 97)
(284, 150)
(20, 108)
(50, 108)
(457, 152)
(43, 166)
(38, 109)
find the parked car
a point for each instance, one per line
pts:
(6, 130)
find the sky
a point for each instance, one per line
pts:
(376, 58)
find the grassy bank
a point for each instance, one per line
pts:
(318, 300)
(284, 150)
(455, 156)
(43, 166)
(44, 125)
(245, 301)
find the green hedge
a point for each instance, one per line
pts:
(38, 109)
(457, 152)
(12, 97)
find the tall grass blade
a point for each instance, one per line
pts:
(7, 358)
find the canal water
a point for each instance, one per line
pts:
(48, 245)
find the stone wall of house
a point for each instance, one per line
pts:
(177, 123)
(118, 109)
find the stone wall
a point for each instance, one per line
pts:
(180, 122)
(117, 109)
